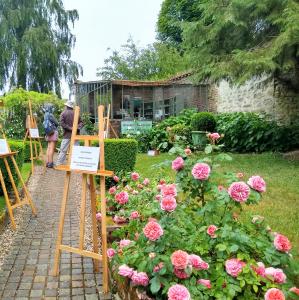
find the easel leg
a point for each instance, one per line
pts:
(41, 155)
(26, 136)
(15, 189)
(61, 223)
(104, 236)
(36, 155)
(28, 196)
(82, 212)
(31, 156)
(7, 201)
(94, 221)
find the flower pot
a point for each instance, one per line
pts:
(199, 139)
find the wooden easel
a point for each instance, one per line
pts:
(102, 173)
(27, 200)
(34, 154)
(108, 125)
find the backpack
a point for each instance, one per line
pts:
(49, 126)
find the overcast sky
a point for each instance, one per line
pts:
(108, 24)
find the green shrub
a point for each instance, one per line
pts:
(203, 121)
(249, 132)
(120, 154)
(26, 150)
(15, 146)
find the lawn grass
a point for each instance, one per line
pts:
(25, 171)
(280, 203)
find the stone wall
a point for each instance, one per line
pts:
(263, 95)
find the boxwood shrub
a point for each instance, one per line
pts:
(15, 146)
(26, 150)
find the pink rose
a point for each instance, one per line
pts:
(201, 171)
(159, 187)
(110, 252)
(234, 266)
(180, 273)
(140, 186)
(180, 259)
(162, 181)
(116, 178)
(214, 136)
(257, 183)
(135, 176)
(125, 271)
(211, 231)
(197, 262)
(99, 216)
(221, 188)
(112, 190)
(274, 294)
(168, 204)
(122, 197)
(260, 269)
(140, 278)
(134, 192)
(119, 220)
(124, 243)
(205, 282)
(275, 275)
(153, 231)
(146, 181)
(158, 267)
(177, 164)
(188, 151)
(134, 215)
(178, 292)
(239, 191)
(168, 190)
(282, 243)
(158, 197)
(295, 290)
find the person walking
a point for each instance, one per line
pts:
(50, 125)
(66, 122)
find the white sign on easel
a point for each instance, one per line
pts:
(34, 132)
(85, 158)
(3, 147)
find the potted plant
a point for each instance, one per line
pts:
(201, 124)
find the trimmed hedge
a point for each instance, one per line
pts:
(26, 150)
(15, 146)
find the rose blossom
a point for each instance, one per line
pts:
(275, 275)
(197, 262)
(110, 252)
(240, 175)
(282, 243)
(134, 215)
(125, 271)
(99, 216)
(177, 164)
(239, 191)
(234, 266)
(188, 151)
(122, 197)
(178, 292)
(119, 220)
(211, 231)
(158, 267)
(274, 294)
(257, 183)
(116, 178)
(205, 282)
(214, 136)
(260, 269)
(153, 231)
(124, 243)
(162, 181)
(146, 181)
(295, 290)
(134, 192)
(221, 188)
(135, 176)
(201, 171)
(158, 197)
(168, 204)
(140, 278)
(112, 190)
(168, 190)
(179, 273)
(180, 259)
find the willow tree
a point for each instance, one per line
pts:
(35, 44)
(238, 39)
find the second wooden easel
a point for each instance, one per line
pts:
(107, 125)
(102, 173)
(27, 200)
(31, 123)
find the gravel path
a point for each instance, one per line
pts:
(26, 255)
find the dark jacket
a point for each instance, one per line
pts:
(66, 122)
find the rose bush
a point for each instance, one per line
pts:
(190, 242)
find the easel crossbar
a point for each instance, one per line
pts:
(20, 204)
(81, 252)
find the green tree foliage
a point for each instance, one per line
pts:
(36, 44)
(171, 17)
(238, 39)
(152, 62)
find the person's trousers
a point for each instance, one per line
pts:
(65, 144)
